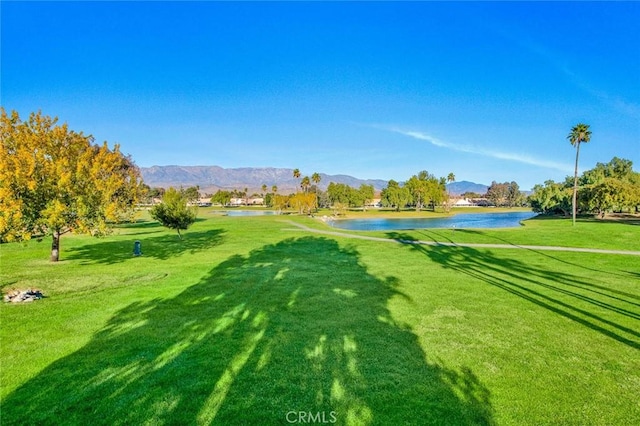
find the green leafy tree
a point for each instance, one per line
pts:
(471, 194)
(609, 194)
(498, 193)
(222, 197)
(580, 133)
(552, 197)
(612, 186)
(426, 189)
(356, 198)
(156, 193)
(54, 180)
(322, 199)
(395, 195)
(617, 168)
(438, 192)
(339, 193)
(366, 194)
(173, 212)
(347, 196)
(192, 194)
(418, 187)
(514, 196)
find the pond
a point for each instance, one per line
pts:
(458, 221)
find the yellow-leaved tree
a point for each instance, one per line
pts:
(54, 180)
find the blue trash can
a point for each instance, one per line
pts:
(137, 248)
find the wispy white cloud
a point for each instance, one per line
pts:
(616, 102)
(507, 156)
(559, 63)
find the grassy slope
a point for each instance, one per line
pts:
(242, 322)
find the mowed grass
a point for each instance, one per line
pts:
(246, 321)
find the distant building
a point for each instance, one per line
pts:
(468, 202)
(376, 202)
(204, 202)
(462, 202)
(252, 201)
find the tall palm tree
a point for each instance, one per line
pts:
(305, 183)
(315, 178)
(264, 192)
(296, 175)
(274, 189)
(579, 133)
(450, 178)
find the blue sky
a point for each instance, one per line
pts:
(488, 91)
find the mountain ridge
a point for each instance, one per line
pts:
(213, 178)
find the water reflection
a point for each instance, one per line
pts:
(459, 221)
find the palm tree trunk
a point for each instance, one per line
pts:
(575, 185)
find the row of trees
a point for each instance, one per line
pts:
(608, 187)
(149, 195)
(420, 191)
(342, 196)
(613, 186)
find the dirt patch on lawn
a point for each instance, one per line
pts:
(631, 219)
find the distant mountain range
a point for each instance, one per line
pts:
(213, 178)
(458, 188)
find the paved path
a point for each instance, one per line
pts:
(300, 227)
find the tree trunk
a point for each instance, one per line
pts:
(575, 185)
(55, 247)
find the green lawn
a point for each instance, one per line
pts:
(245, 322)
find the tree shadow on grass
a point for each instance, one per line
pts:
(161, 247)
(541, 253)
(596, 306)
(295, 327)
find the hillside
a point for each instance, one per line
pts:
(212, 178)
(457, 188)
